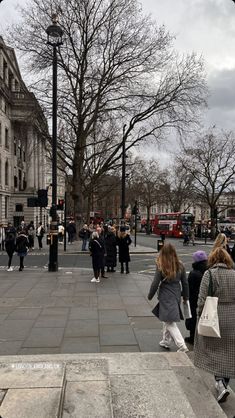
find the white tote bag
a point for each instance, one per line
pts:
(208, 324)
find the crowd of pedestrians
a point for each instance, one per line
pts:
(102, 242)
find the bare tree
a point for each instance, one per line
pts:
(179, 188)
(210, 161)
(116, 66)
(146, 185)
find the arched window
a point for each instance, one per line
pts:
(6, 173)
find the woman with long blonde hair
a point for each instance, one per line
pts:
(169, 277)
(221, 242)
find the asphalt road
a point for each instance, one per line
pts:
(144, 263)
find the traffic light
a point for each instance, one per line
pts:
(60, 205)
(135, 209)
(42, 198)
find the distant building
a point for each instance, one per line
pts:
(23, 130)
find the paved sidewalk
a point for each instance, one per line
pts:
(55, 314)
(64, 312)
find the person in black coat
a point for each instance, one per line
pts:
(22, 246)
(194, 280)
(111, 249)
(123, 242)
(71, 229)
(10, 244)
(96, 248)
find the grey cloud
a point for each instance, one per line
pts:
(222, 87)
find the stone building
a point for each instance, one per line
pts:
(23, 128)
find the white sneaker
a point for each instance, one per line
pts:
(164, 344)
(94, 280)
(10, 269)
(183, 349)
(223, 392)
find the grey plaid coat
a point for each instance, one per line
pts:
(217, 355)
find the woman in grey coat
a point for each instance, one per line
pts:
(217, 355)
(170, 276)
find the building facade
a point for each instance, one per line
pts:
(23, 131)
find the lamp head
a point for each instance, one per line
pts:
(54, 32)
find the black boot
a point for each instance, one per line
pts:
(122, 268)
(108, 270)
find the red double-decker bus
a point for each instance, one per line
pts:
(173, 224)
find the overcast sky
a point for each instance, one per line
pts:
(206, 27)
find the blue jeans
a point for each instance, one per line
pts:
(84, 244)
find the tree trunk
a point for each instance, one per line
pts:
(213, 222)
(148, 221)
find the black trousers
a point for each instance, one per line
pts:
(40, 241)
(127, 267)
(21, 262)
(10, 255)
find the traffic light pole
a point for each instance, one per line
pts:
(123, 197)
(53, 250)
(65, 214)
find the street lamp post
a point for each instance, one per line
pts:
(54, 38)
(123, 204)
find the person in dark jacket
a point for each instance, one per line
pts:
(31, 232)
(100, 230)
(123, 242)
(194, 280)
(10, 246)
(22, 245)
(96, 251)
(84, 234)
(71, 229)
(111, 249)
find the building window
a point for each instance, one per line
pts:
(24, 181)
(20, 179)
(6, 173)
(5, 71)
(15, 182)
(19, 207)
(19, 150)
(6, 138)
(6, 206)
(15, 150)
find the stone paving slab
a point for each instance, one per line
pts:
(44, 337)
(80, 345)
(28, 403)
(87, 399)
(82, 328)
(136, 396)
(31, 374)
(113, 316)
